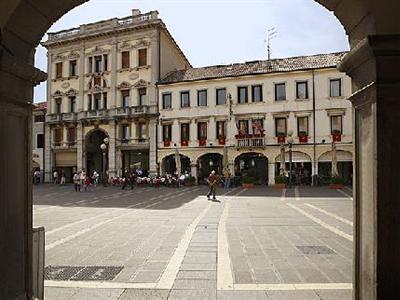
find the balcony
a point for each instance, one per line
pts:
(68, 117)
(64, 145)
(93, 114)
(123, 111)
(135, 111)
(133, 142)
(250, 140)
(53, 118)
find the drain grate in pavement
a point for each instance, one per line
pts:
(312, 250)
(83, 273)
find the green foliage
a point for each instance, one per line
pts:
(191, 179)
(337, 180)
(248, 180)
(280, 179)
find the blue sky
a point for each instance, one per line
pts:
(221, 31)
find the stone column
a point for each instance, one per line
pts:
(79, 147)
(176, 131)
(193, 133)
(48, 161)
(271, 173)
(112, 150)
(373, 65)
(232, 131)
(82, 61)
(212, 131)
(65, 135)
(153, 146)
(193, 170)
(114, 66)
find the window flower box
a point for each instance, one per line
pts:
(202, 142)
(281, 138)
(167, 143)
(184, 143)
(337, 136)
(303, 138)
(221, 140)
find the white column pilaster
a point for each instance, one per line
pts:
(153, 146)
(193, 133)
(48, 161)
(212, 131)
(82, 60)
(114, 66)
(111, 150)
(176, 133)
(271, 173)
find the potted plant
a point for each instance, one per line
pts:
(184, 143)
(337, 136)
(167, 143)
(202, 142)
(336, 182)
(190, 181)
(248, 182)
(281, 137)
(303, 138)
(280, 182)
(221, 140)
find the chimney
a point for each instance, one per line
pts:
(136, 12)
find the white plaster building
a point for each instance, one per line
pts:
(245, 107)
(102, 83)
(38, 129)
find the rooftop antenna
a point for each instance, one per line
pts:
(271, 34)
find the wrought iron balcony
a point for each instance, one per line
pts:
(250, 140)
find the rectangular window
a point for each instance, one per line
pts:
(39, 118)
(167, 101)
(336, 125)
(243, 127)
(302, 90)
(185, 132)
(40, 141)
(185, 99)
(256, 93)
(125, 60)
(280, 127)
(243, 94)
(72, 102)
(105, 62)
(90, 64)
(280, 91)
(59, 70)
(142, 96)
(167, 133)
(97, 100)
(126, 132)
(125, 98)
(335, 88)
(72, 68)
(221, 96)
(142, 134)
(90, 102)
(257, 126)
(221, 129)
(98, 64)
(142, 57)
(104, 106)
(58, 136)
(302, 126)
(202, 98)
(202, 130)
(71, 135)
(58, 105)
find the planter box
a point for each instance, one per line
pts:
(221, 141)
(281, 139)
(247, 185)
(336, 186)
(280, 185)
(303, 139)
(184, 143)
(202, 142)
(167, 143)
(337, 137)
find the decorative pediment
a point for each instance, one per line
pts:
(141, 84)
(71, 93)
(73, 55)
(98, 50)
(58, 94)
(125, 46)
(58, 57)
(142, 44)
(124, 86)
(97, 88)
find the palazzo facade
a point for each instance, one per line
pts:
(102, 84)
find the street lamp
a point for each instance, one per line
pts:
(290, 143)
(103, 148)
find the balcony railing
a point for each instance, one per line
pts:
(250, 140)
(53, 118)
(63, 145)
(68, 117)
(133, 142)
(136, 110)
(96, 113)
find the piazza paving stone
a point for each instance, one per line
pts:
(241, 295)
(142, 294)
(200, 294)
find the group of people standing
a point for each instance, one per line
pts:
(83, 182)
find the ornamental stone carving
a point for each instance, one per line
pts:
(142, 44)
(58, 94)
(133, 76)
(71, 93)
(65, 85)
(73, 55)
(124, 86)
(58, 57)
(125, 46)
(141, 84)
(98, 50)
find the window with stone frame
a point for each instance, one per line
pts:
(185, 99)
(243, 127)
(257, 126)
(39, 118)
(125, 132)
(98, 64)
(58, 136)
(167, 133)
(142, 131)
(243, 95)
(221, 96)
(185, 132)
(202, 98)
(72, 103)
(97, 101)
(280, 127)
(335, 87)
(71, 135)
(58, 102)
(142, 53)
(167, 101)
(336, 125)
(221, 129)
(59, 70)
(256, 93)
(105, 62)
(40, 141)
(125, 56)
(302, 126)
(73, 68)
(301, 90)
(90, 102)
(125, 98)
(202, 130)
(105, 101)
(142, 92)
(280, 92)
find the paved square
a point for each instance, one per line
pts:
(169, 243)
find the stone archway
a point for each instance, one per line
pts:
(93, 153)
(168, 164)
(207, 163)
(374, 34)
(301, 167)
(252, 164)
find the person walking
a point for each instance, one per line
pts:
(227, 178)
(63, 179)
(76, 180)
(82, 178)
(212, 181)
(55, 177)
